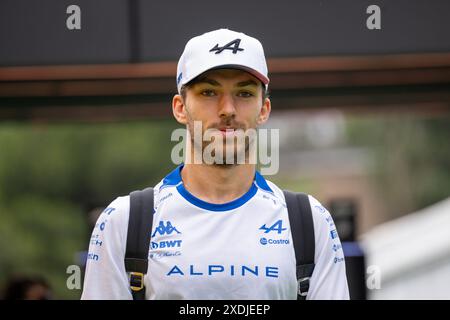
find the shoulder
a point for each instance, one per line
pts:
(118, 211)
(316, 207)
(271, 188)
(321, 216)
(109, 235)
(324, 227)
(119, 208)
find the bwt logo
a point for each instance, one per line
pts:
(166, 244)
(163, 229)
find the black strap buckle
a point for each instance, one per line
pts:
(303, 286)
(136, 281)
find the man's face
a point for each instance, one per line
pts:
(223, 100)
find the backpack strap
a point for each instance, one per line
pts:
(302, 229)
(138, 240)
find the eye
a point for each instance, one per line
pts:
(208, 93)
(245, 94)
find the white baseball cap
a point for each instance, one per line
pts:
(221, 48)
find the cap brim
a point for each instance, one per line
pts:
(253, 72)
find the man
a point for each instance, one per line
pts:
(210, 218)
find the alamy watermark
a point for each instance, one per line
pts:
(73, 21)
(373, 279)
(74, 279)
(373, 22)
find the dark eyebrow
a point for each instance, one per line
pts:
(247, 83)
(206, 80)
(213, 82)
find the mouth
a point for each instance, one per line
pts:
(227, 131)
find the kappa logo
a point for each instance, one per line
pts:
(163, 229)
(233, 46)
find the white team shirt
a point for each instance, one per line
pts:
(237, 250)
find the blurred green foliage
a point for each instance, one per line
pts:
(52, 175)
(412, 158)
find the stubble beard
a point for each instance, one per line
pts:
(240, 150)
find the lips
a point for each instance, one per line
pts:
(227, 131)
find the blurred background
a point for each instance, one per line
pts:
(364, 119)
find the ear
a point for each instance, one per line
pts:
(179, 109)
(264, 112)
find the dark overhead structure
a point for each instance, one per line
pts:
(121, 63)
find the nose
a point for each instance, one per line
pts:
(226, 106)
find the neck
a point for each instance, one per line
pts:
(216, 183)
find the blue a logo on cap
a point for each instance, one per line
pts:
(179, 77)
